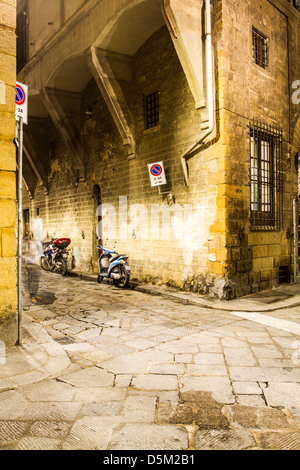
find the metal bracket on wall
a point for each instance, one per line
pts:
(170, 196)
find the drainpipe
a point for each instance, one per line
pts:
(209, 87)
(295, 238)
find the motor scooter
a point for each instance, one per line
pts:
(56, 257)
(113, 266)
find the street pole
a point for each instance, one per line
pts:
(20, 226)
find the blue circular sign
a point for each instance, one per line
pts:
(156, 170)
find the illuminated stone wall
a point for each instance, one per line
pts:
(8, 320)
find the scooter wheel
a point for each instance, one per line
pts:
(63, 269)
(44, 263)
(124, 280)
(99, 279)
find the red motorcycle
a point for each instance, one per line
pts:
(56, 257)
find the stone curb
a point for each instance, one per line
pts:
(42, 358)
(243, 304)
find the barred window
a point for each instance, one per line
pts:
(266, 176)
(260, 45)
(152, 110)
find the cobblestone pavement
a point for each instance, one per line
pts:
(111, 369)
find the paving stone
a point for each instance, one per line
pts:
(82, 347)
(250, 400)
(200, 338)
(169, 397)
(224, 440)
(178, 346)
(55, 429)
(184, 358)
(90, 433)
(234, 343)
(283, 394)
(123, 380)
(104, 408)
(208, 358)
(246, 388)
(257, 417)
(197, 408)
(12, 404)
(37, 443)
(89, 377)
(149, 437)
(266, 351)
(167, 368)
(219, 386)
(51, 411)
(61, 326)
(140, 344)
(90, 333)
(99, 394)
(139, 409)
(49, 390)
(11, 431)
(282, 440)
(206, 369)
(264, 374)
(155, 382)
(126, 364)
(153, 355)
(28, 378)
(239, 357)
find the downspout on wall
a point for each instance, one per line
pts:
(209, 87)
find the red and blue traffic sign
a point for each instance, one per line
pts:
(20, 95)
(21, 102)
(156, 170)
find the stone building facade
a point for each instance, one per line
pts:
(8, 307)
(204, 87)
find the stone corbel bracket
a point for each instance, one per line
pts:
(65, 129)
(110, 89)
(35, 161)
(184, 21)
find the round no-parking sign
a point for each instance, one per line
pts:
(157, 173)
(21, 100)
(20, 95)
(156, 170)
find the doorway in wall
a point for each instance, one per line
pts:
(26, 223)
(97, 221)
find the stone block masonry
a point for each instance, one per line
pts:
(8, 315)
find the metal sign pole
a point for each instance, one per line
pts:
(20, 226)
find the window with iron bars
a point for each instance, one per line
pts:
(266, 176)
(152, 110)
(260, 45)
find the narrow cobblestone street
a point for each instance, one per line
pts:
(110, 369)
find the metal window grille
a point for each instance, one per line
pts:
(260, 44)
(266, 176)
(152, 110)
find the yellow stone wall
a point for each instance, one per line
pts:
(8, 316)
(250, 91)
